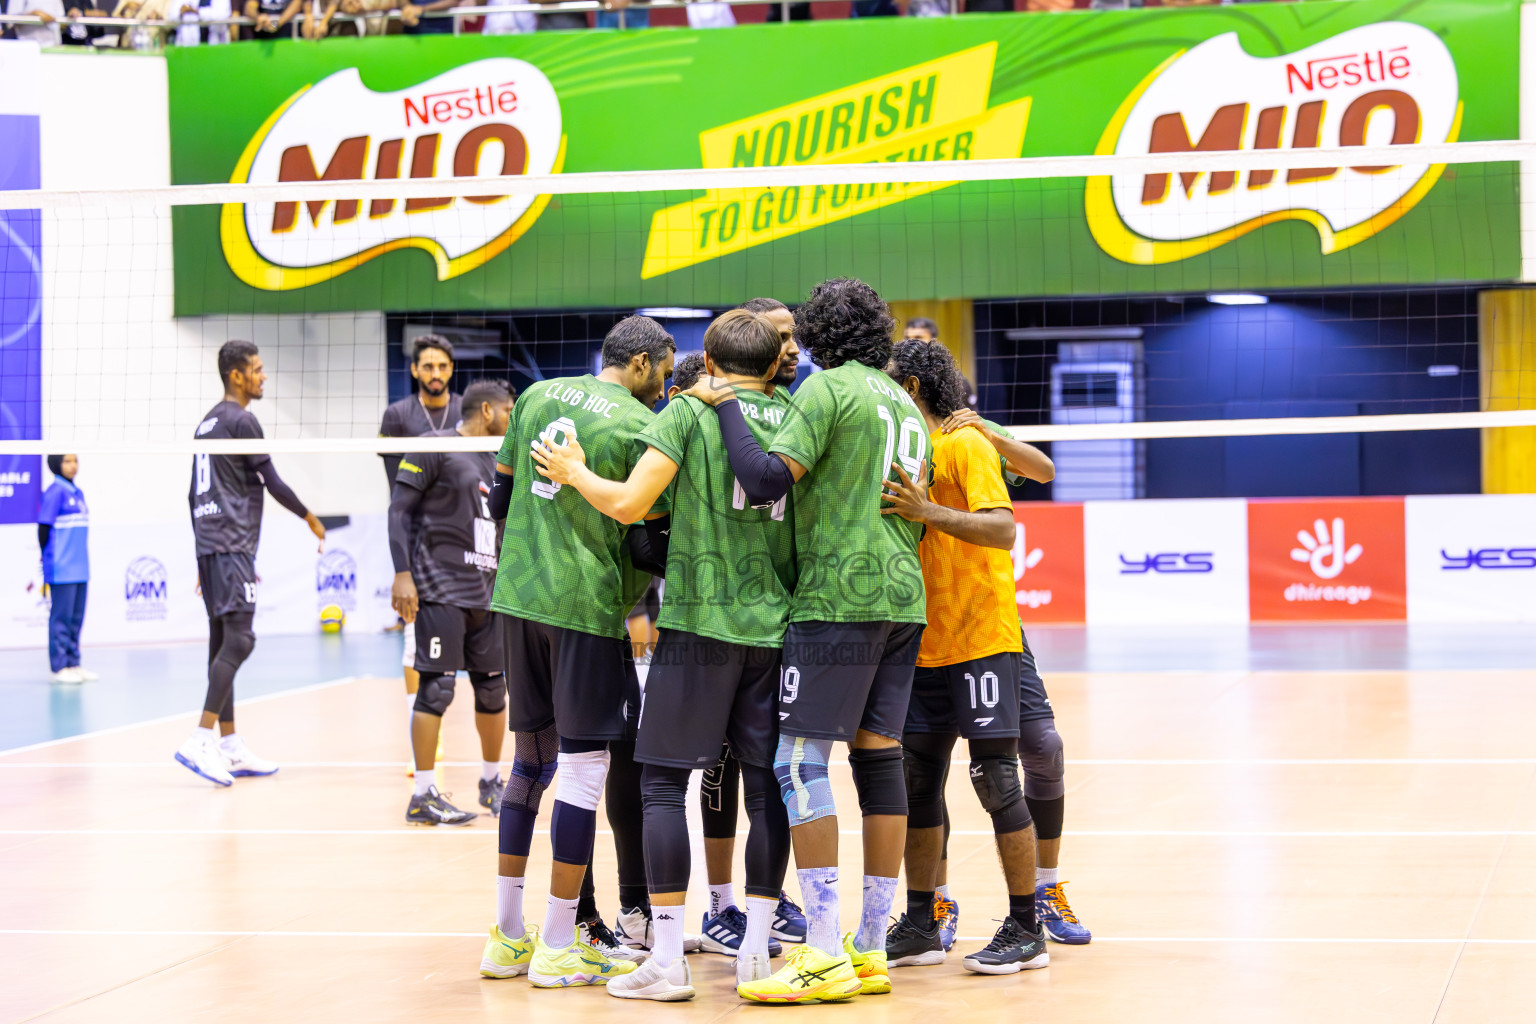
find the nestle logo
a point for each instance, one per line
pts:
(1348, 69)
(1193, 562)
(460, 104)
(1489, 558)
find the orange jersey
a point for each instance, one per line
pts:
(971, 605)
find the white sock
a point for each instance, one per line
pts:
(509, 907)
(818, 887)
(560, 923)
(1047, 876)
(490, 770)
(943, 890)
(760, 912)
(423, 779)
(720, 897)
(668, 925)
(874, 918)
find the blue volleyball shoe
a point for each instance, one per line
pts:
(1056, 916)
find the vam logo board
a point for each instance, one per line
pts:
(146, 591)
(495, 116)
(1390, 83)
(1328, 559)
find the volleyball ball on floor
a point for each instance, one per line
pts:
(332, 618)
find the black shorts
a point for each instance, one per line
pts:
(648, 603)
(976, 699)
(1033, 702)
(228, 579)
(450, 639)
(701, 691)
(585, 684)
(840, 677)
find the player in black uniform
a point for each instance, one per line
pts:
(444, 544)
(432, 407)
(226, 499)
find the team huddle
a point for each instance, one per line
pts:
(836, 570)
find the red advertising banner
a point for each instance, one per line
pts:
(1048, 561)
(1339, 559)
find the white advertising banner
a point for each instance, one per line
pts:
(1166, 562)
(1471, 558)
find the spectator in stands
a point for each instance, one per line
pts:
(702, 14)
(271, 16)
(49, 11)
(920, 328)
(416, 25)
(63, 531)
(634, 17)
(552, 21)
(83, 35)
(507, 23)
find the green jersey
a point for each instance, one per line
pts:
(562, 561)
(730, 567)
(847, 426)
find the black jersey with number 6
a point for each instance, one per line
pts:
(226, 494)
(454, 540)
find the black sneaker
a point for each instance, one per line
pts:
(434, 809)
(490, 795)
(1011, 950)
(909, 945)
(600, 937)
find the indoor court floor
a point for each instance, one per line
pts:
(1272, 824)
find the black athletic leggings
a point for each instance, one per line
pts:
(230, 641)
(667, 854)
(719, 795)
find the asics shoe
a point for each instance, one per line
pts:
(507, 958)
(432, 808)
(724, 933)
(201, 756)
(1056, 917)
(908, 944)
(576, 964)
(947, 912)
(808, 976)
(490, 795)
(874, 977)
(1011, 950)
(752, 967)
(670, 984)
(599, 936)
(243, 763)
(788, 921)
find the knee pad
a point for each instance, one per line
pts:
(880, 780)
(533, 768)
(434, 693)
(238, 640)
(581, 778)
(995, 778)
(800, 765)
(1041, 753)
(490, 692)
(925, 767)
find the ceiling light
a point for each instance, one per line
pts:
(1238, 299)
(675, 313)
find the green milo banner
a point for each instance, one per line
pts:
(1259, 76)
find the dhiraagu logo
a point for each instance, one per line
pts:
(495, 116)
(1391, 83)
(931, 111)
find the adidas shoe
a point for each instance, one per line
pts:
(808, 976)
(243, 763)
(576, 964)
(788, 920)
(670, 984)
(507, 958)
(1011, 950)
(200, 755)
(870, 967)
(490, 795)
(909, 944)
(724, 933)
(947, 912)
(432, 808)
(599, 936)
(1056, 916)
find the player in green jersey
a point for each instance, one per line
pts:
(561, 583)
(855, 622)
(715, 672)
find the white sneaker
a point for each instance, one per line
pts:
(634, 929)
(86, 674)
(201, 756)
(669, 984)
(67, 675)
(597, 935)
(242, 762)
(752, 967)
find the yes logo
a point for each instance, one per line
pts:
(488, 117)
(1390, 83)
(1325, 550)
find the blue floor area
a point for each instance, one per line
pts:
(139, 684)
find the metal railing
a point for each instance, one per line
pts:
(162, 27)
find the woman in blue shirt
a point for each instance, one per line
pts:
(63, 527)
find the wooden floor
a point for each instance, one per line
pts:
(1246, 846)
